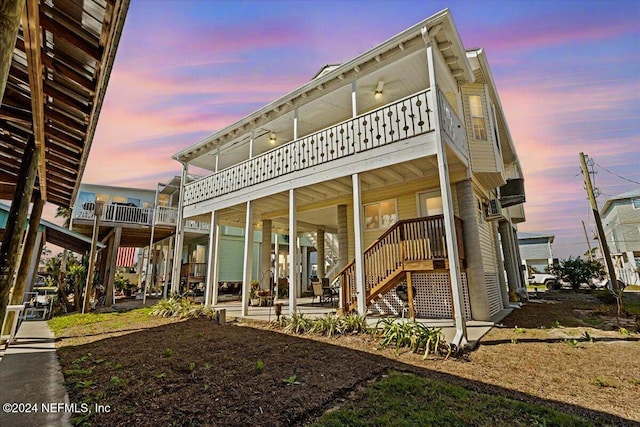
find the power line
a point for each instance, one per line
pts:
(615, 174)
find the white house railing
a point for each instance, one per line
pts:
(452, 126)
(392, 123)
(166, 215)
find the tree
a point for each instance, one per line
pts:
(577, 271)
(64, 213)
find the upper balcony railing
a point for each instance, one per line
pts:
(452, 126)
(406, 118)
(166, 215)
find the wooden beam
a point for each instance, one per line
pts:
(61, 97)
(68, 73)
(14, 230)
(77, 37)
(10, 13)
(32, 41)
(74, 124)
(16, 115)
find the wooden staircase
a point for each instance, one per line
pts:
(412, 245)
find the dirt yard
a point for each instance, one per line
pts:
(198, 373)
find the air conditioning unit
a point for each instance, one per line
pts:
(493, 210)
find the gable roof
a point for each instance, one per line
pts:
(441, 24)
(623, 196)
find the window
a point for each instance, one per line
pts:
(635, 203)
(477, 118)
(380, 215)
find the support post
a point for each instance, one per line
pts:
(28, 252)
(211, 291)
(361, 291)
(265, 255)
(114, 247)
(412, 311)
(98, 206)
(510, 263)
(14, 230)
(321, 253)
(151, 260)
(343, 237)
(10, 15)
(167, 267)
(276, 267)
(501, 266)
(248, 259)
(596, 215)
(460, 338)
(294, 272)
(179, 240)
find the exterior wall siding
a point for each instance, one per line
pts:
(622, 222)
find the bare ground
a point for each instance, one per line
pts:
(198, 373)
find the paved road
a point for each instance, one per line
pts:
(30, 375)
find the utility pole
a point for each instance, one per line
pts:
(596, 214)
(586, 236)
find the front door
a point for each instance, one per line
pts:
(430, 203)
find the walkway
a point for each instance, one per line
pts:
(30, 374)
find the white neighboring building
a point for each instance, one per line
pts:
(621, 222)
(536, 251)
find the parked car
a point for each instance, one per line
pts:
(549, 281)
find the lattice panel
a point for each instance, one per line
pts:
(493, 293)
(432, 299)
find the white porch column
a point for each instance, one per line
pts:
(510, 263)
(516, 251)
(295, 124)
(265, 255)
(248, 259)
(504, 292)
(211, 290)
(460, 338)
(276, 267)
(167, 267)
(294, 272)
(359, 247)
(321, 254)
(179, 241)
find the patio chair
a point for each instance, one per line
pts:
(317, 292)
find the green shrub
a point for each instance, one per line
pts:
(298, 324)
(415, 336)
(353, 323)
(328, 325)
(605, 296)
(182, 309)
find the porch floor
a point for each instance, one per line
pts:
(475, 329)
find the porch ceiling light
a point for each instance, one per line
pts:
(272, 138)
(378, 92)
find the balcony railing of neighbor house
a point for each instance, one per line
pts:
(409, 117)
(409, 245)
(166, 215)
(117, 212)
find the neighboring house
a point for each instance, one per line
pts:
(402, 153)
(536, 251)
(47, 233)
(621, 222)
(133, 217)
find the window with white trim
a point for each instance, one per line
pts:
(477, 118)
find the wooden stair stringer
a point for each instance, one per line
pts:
(388, 283)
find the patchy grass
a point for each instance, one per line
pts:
(409, 400)
(114, 319)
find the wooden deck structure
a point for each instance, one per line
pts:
(60, 61)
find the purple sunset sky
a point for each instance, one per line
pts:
(568, 73)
